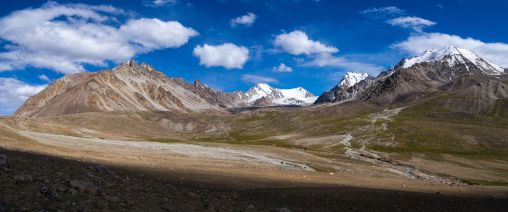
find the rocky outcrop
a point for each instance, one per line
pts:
(262, 102)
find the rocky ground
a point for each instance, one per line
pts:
(33, 182)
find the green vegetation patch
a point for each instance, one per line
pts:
(485, 183)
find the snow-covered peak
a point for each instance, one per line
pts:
(351, 78)
(280, 96)
(263, 88)
(455, 56)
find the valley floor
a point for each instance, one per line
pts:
(51, 172)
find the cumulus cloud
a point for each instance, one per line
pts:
(418, 43)
(297, 43)
(258, 79)
(246, 20)
(328, 60)
(156, 34)
(383, 12)
(414, 23)
(159, 3)
(282, 68)
(14, 92)
(64, 37)
(227, 55)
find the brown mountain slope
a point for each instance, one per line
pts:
(128, 87)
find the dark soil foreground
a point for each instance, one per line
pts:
(43, 183)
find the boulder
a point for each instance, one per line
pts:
(84, 186)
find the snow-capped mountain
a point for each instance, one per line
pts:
(295, 96)
(352, 78)
(455, 56)
(417, 75)
(348, 88)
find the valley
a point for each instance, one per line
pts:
(432, 128)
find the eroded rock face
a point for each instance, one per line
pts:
(128, 87)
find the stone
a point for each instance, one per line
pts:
(84, 186)
(45, 192)
(64, 176)
(59, 187)
(283, 210)
(191, 194)
(96, 178)
(23, 178)
(211, 208)
(112, 199)
(73, 191)
(102, 168)
(4, 164)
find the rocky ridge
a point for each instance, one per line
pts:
(133, 87)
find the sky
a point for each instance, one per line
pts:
(234, 44)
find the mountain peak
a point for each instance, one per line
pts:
(454, 56)
(351, 78)
(263, 87)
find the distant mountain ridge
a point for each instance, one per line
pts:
(414, 77)
(133, 87)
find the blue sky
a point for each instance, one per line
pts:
(234, 44)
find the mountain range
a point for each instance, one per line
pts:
(446, 69)
(133, 87)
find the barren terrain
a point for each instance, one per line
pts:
(220, 169)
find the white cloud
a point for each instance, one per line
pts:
(414, 23)
(383, 12)
(227, 55)
(282, 68)
(418, 43)
(328, 60)
(44, 78)
(156, 34)
(297, 42)
(246, 20)
(64, 37)
(14, 92)
(258, 79)
(159, 3)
